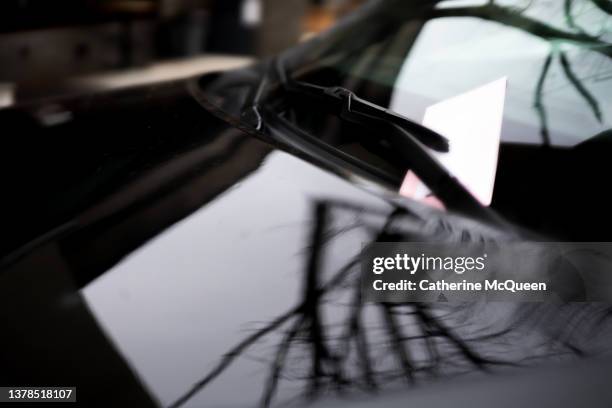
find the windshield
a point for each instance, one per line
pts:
(556, 59)
(554, 55)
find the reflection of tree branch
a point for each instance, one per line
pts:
(567, 69)
(512, 18)
(320, 352)
(397, 341)
(569, 17)
(298, 311)
(311, 304)
(504, 15)
(428, 335)
(355, 331)
(435, 325)
(329, 362)
(279, 361)
(231, 355)
(538, 100)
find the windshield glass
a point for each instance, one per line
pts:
(556, 59)
(554, 55)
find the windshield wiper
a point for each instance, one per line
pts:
(344, 103)
(407, 138)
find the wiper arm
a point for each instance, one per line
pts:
(408, 138)
(350, 107)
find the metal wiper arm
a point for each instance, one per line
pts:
(349, 106)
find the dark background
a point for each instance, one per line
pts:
(45, 43)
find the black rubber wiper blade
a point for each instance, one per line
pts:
(404, 139)
(353, 108)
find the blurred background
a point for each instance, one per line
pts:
(48, 46)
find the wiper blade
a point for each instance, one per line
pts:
(408, 138)
(358, 110)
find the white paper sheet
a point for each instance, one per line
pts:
(472, 123)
